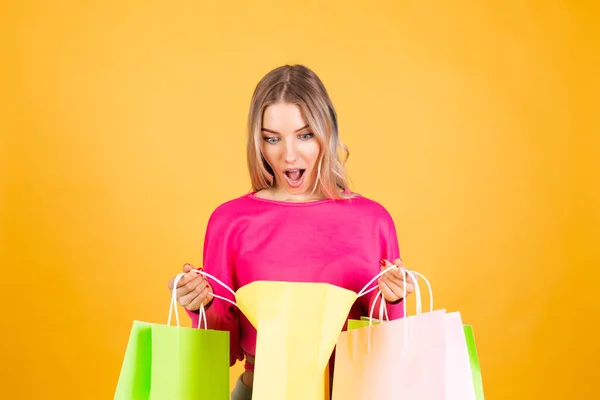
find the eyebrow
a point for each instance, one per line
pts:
(277, 133)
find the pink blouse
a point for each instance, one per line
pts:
(330, 241)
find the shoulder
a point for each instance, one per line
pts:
(376, 216)
(371, 213)
(369, 206)
(230, 209)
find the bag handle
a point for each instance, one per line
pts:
(419, 310)
(382, 307)
(207, 275)
(173, 306)
(202, 310)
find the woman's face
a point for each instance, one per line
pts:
(290, 148)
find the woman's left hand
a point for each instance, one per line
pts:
(392, 283)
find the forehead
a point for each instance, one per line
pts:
(283, 117)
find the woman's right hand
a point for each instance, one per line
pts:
(192, 289)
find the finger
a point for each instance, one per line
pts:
(387, 292)
(395, 289)
(185, 279)
(187, 298)
(182, 281)
(408, 277)
(190, 286)
(203, 298)
(398, 262)
(193, 281)
(385, 264)
(189, 277)
(395, 272)
(400, 278)
(397, 286)
(395, 277)
(401, 273)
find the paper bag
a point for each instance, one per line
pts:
(459, 382)
(167, 362)
(463, 377)
(170, 362)
(297, 325)
(400, 359)
(474, 360)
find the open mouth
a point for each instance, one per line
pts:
(295, 177)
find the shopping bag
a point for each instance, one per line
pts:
(164, 362)
(463, 378)
(189, 363)
(400, 359)
(474, 362)
(134, 379)
(293, 347)
(459, 382)
(355, 323)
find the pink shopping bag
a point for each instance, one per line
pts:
(419, 357)
(400, 359)
(459, 380)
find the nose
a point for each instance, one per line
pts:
(291, 152)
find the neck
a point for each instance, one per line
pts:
(283, 195)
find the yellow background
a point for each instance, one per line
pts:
(474, 123)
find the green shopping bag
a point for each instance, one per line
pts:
(134, 380)
(164, 362)
(475, 368)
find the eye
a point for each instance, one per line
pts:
(270, 140)
(306, 136)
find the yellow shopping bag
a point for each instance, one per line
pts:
(293, 347)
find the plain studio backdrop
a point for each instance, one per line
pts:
(123, 126)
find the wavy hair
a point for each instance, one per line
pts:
(297, 84)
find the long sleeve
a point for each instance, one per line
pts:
(390, 251)
(218, 261)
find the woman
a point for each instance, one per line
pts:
(300, 222)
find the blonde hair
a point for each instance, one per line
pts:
(297, 84)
